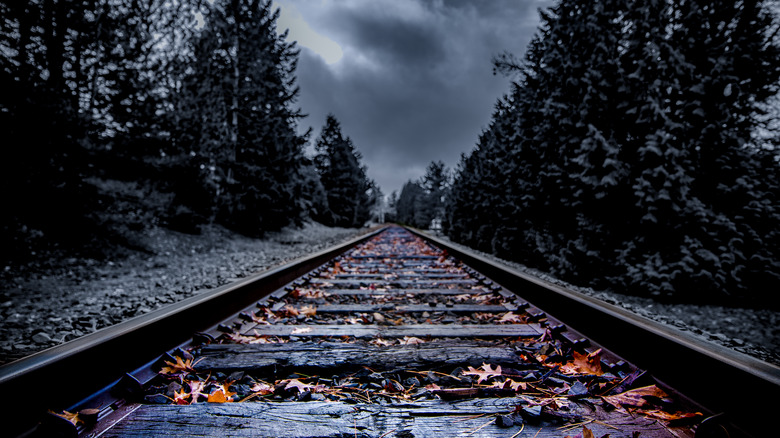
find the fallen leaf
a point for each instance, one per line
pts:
(180, 398)
(584, 364)
(72, 417)
(180, 366)
(510, 384)
(262, 388)
(381, 342)
(486, 372)
(302, 387)
(196, 390)
(634, 397)
(511, 318)
(300, 330)
(308, 310)
(410, 340)
(661, 415)
(587, 433)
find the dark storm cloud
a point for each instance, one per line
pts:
(415, 83)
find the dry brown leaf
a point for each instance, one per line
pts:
(661, 415)
(410, 340)
(302, 387)
(381, 342)
(300, 330)
(72, 417)
(510, 384)
(310, 310)
(484, 374)
(584, 364)
(634, 397)
(511, 318)
(262, 388)
(180, 366)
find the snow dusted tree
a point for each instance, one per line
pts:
(343, 177)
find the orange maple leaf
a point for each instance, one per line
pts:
(180, 398)
(221, 395)
(634, 397)
(584, 364)
(486, 373)
(180, 366)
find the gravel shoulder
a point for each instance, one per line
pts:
(60, 298)
(755, 332)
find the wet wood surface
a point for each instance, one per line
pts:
(323, 355)
(415, 330)
(474, 418)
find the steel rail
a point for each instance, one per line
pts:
(720, 379)
(63, 375)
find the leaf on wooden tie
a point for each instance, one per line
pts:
(661, 415)
(302, 387)
(584, 364)
(485, 373)
(289, 310)
(410, 340)
(300, 330)
(70, 416)
(510, 384)
(586, 433)
(180, 366)
(381, 342)
(635, 397)
(308, 310)
(180, 398)
(262, 388)
(221, 395)
(511, 318)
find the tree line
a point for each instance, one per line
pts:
(625, 155)
(117, 114)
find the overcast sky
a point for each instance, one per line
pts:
(410, 80)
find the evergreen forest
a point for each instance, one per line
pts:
(632, 152)
(122, 114)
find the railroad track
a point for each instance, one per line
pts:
(388, 336)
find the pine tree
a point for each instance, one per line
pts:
(624, 150)
(406, 206)
(343, 178)
(242, 124)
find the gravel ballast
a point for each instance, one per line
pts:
(754, 332)
(58, 299)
